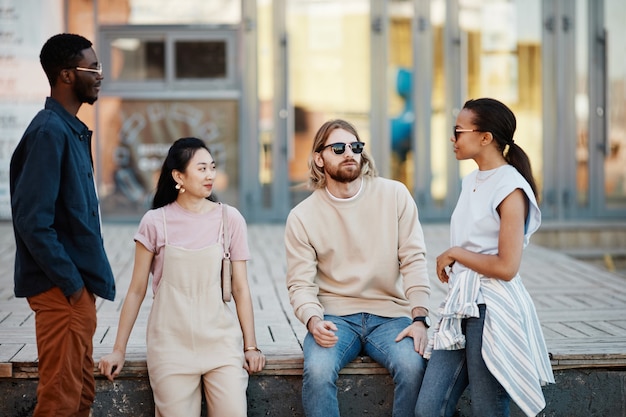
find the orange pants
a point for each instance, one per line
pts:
(65, 347)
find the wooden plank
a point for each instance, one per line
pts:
(589, 348)
(26, 356)
(568, 315)
(9, 350)
(18, 335)
(590, 329)
(615, 328)
(19, 317)
(6, 370)
(276, 365)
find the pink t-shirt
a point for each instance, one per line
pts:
(189, 230)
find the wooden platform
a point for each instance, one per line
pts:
(582, 308)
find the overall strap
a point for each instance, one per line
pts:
(164, 225)
(225, 233)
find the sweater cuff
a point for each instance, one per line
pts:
(310, 312)
(420, 299)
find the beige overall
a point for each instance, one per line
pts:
(194, 339)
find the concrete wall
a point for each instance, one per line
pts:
(578, 393)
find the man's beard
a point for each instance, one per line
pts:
(84, 98)
(90, 100)
(343, 174)
(82, 93)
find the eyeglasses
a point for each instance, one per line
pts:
(457, 132)
(97, 70)
(340, 147)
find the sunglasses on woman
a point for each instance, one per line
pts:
(457, 132)
(340, 147)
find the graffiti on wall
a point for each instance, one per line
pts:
(136, 141)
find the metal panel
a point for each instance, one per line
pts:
(549, 98)
(422, 93)
(456, 90)
(566, 113)
(283, 114)
(598, 73)
(379, 130)
(559, 78)
(249, 109)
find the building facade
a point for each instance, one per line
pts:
(256, 78)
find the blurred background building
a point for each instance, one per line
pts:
(256, 78)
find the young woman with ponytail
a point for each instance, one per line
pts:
(488, 337)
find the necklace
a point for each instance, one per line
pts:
(479, 180)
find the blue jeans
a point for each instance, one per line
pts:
(449, 372)
(361, 334)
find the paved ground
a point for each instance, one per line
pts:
(581, 306)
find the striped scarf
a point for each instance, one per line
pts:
(513, 348)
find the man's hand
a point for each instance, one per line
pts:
(323, 331)
(419, 334)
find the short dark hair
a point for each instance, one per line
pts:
(60, 52)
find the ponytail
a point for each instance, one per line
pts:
(493, 116)
(516, 157)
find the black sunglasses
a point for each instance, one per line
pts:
(340, 147)
(458, 131)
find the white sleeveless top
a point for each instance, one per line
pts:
(475, 223)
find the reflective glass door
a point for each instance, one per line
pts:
(328, 75)
(611, 179)
(600, 109)
(482, 48)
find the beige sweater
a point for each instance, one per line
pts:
(365, 254)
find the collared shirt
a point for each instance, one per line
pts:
(55, 209)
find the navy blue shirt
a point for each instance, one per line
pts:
(55, 210)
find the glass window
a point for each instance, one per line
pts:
(329, 43)
(169, 58)
(615, 159)
(186, 12)
(582, 106)
(401, 106)
(504, 62)
(135, 59)
(201, 59)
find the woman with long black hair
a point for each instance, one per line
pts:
(194, 341)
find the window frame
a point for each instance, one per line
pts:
(170, 34)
